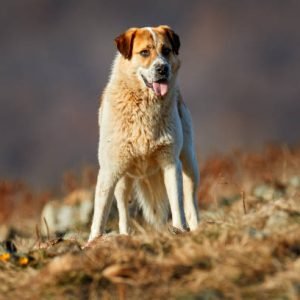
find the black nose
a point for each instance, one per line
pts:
(162, 69)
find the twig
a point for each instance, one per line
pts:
(138, 227)
(47, 229)
(38, 235)
(244, 201)
(121, 291)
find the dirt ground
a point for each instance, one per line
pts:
(247, 245)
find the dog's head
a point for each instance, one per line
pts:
(153, 56)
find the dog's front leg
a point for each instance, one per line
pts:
(106, 183)
(173, 182)
(122, 195)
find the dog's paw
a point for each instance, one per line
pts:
(91, 242)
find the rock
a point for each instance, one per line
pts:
(63, 247)
(276, 220)
(80, 236)
(294, 181)
(4, 232)
(267, 192)
(255, 233)
(61, 264)
(73, 211)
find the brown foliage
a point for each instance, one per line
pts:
(236, 253)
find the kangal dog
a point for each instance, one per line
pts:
(146, 138)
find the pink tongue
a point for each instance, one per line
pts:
(160, 89)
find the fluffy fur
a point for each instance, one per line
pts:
(146, 139)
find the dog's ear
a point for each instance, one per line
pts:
(173, 37)
(124, 42)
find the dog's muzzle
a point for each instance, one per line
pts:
(160, 85)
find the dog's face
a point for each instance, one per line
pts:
(153, 56)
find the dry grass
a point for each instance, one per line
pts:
(247, 245)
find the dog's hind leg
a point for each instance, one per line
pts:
(122, 195)
(190, 170)
(190, 185)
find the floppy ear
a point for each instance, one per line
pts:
(173, 37)
(124, 42)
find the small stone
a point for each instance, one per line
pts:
(63, 247)
(4, 232)
(276, 220)
(60, 216)
(264, 192)
(255, 233)
(294, 181)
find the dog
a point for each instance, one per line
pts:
(146, 143)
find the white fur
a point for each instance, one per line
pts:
(146, 149)
(153, 34)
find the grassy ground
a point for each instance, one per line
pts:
(246, 247)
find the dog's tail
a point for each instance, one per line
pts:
(152, 198)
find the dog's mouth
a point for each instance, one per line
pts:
(160, 87)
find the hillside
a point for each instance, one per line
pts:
(247, 245)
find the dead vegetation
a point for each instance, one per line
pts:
(247, 245)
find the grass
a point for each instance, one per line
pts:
(246, 247)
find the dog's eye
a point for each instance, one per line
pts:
(165, 51)
(145, 53)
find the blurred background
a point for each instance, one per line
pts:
(240, 76)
